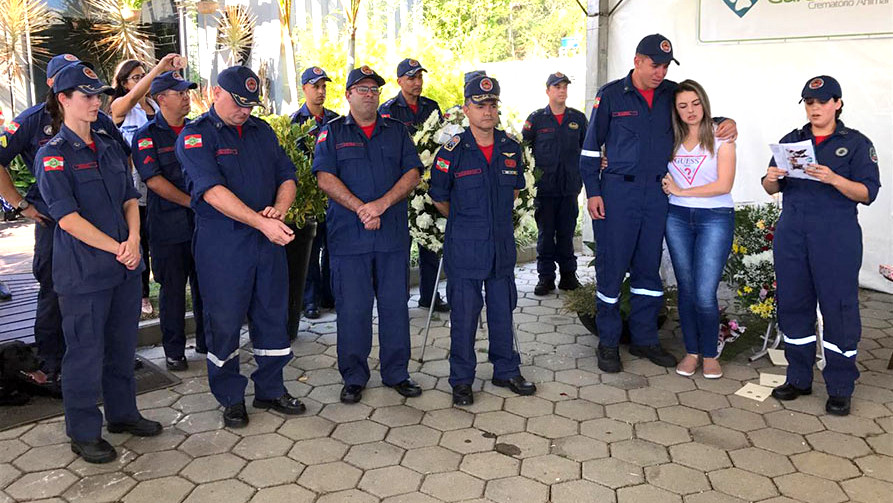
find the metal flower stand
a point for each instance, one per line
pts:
(770, 342)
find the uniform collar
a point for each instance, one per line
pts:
(400, 100)
(806, 130)
(304, 111)
(500, 139)
(379, 121)
(218, 122)
(161, 122)
(77, 142)
(628, 85)
(548, 110)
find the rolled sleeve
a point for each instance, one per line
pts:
(199, 163)
(324, 155)
(866, 170)
(441, 181)
(55, 186)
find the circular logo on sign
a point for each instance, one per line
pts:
(486, 85)
(251, 84)
(317, 70)
(48, 130)
(665, 46)
(365, 70)
(70, 57)
(816, 83)
(90, 73)
(177, 75)
(413, 62)
(842, 151)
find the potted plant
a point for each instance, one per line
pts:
(308, 208)
(582, 302)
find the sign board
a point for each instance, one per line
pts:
(755, 20)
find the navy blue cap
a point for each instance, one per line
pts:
(80, 78)
(822, 87)
(170, 80)
(313, 75)
(59, 62)
(469, 76)
(658, 48)
(481, 89)
(557, 78)
(363, 72)
(242, 84)
(409, 67)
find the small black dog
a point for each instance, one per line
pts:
(19, 367)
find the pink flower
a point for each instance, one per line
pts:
(734, 325)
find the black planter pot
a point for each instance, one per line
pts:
(298, 253)
(625, 337)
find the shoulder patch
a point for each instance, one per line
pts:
(872, 154)
(842, 151)
(450, 145)
(527, 125)
(12, 127)
(53, 163)
(322, 136)
(442, 165)
(145, 143)
(595, 103)
(192, 141)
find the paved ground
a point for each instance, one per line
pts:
(645, 435)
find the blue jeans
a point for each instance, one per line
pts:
(699, 240)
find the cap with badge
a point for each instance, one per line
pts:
(658, 48)
(822, 88)
(469, 76)
(363, 72)
(557, 78)
(482, 88)
(59, 62)
(242, 84)
(80, 78)
(313, 75)
(170, 80)
(409, 67)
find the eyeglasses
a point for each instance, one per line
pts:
(136, 78)
(178, 94)
(367, 89)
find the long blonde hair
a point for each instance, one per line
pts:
(705, 128)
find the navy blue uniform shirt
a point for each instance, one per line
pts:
(72, 178)
(252, 166)
(638, 140)
(303, 115)
(480, 233)
(397, 108)
(31, 130)
(368, 167)
(848, 153)
(153, 155)
(556, 150)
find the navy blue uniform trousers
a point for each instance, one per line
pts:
(318, 286)
(357, 280)
(48, 318)
(556, 219)
(173, 266)
(100, 327)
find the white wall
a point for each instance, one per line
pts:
(759, 84)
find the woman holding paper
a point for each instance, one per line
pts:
(818, 246)
(700, 224)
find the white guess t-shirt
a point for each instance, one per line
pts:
(693, 169)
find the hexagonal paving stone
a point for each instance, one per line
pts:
(157, 464)
(103, 488)
(302, 428)
(528, 406)
(762, 462)
(613, 473)
(514, 489)
(267, 445)
(522, 445)
(290, 493)
(346, 413)
(653, 397)
(839, 444)
(877, 466)
(271, 472)
(552, 426)
(330, 477)
(414, 436)
(390, 481)
(490, 465)
(867, 490)
(808, 488)
(11, 449)
(883, 444)
(467, 440)
(640, 452)
(579, 410)
(606, 430)
(397, 415)
(742, 484)
(717, 436)
(778, 441)
(224, 491)
(737, 419)
(434, 459)
(851, 425)
(794, 422)
(173, 488)
(602, 394)
(645, 493)
(577, 378)
(8, 473)
(374, 455)
(662, 433)
(631, 412)
(677, 478)
(201, 421)
(45, 434)
(359, 432)
(550, 469)
(452, 486)
(209, 442)
(211, 468)
(683, 416)
(825, 466)
(700, 456)
(718, 497)
(40, 485)
(169, 439)
(579, 448)
(581, 491)
(49, 457)
(625, 380)
(317, 451)
(703, 400)
(499, 422)
(448, 419)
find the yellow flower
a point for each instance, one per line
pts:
(734, 247)
(747, 289)
(743, 250)
(760, 225)
(740, 293)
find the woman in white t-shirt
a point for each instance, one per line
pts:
(700, 224)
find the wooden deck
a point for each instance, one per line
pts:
(17, 315)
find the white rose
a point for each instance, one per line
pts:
(427, 158)
(441, 224)
(424, 221)
(418, 203)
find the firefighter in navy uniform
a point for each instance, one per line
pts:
(632, 119)
(556, 134)
(818, 246)
(84, 179)
(317, 287)
(475, 182)
(242, 184)
(29, 131)
(413, 109)
(170, 219)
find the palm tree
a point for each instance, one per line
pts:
(21, 22)
(235, 33)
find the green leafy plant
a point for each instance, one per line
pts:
(21, 176)
(750, 270)
(310, 202)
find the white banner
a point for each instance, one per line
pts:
(754, 20)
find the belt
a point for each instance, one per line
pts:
(633, 178)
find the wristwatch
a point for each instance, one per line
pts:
(23, 205)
